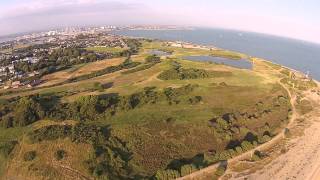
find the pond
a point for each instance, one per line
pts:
(241, 63)
(159, 52)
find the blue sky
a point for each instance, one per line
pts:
(291, 18)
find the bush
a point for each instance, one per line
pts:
(182, 74)
(60, 154)
(7, 147)
(86, 107)
(264, 138)
(91, 134)
(187, 169)
(139, 68)
(195, 99)
(287, 133)
(98, 86)
(257, 155)
(27, 111)
(239, 150)
(246, 145)
(30, 155)
(167, 174)
(52, 132)
(7, 122)
(220, 171)
(127, 64)
(224, 155)
(153, 59)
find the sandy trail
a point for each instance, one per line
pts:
(302, 160)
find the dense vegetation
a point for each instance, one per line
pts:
(60, 58)
(28, 110)
(179, 73)
(150, 61)
(127, 64)
(116, 128)
(228, 54)
(112, 158)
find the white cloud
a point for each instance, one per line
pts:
(45, 14)
(31, 15)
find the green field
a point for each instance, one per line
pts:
(129, 123)
(106, 49)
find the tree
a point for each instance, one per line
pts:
(86, 107)
(27, 111)
(152, 59)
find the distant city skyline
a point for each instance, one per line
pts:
(289, 18)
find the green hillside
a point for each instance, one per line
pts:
(140, 117)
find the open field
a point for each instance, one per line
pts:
(106, 49)
(79, 70)
(152, 124)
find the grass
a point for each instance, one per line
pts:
(229, 54)
(6, 135)
(106, 49)
(45, 165)
(79, 70)
(156, 134)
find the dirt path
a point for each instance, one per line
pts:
(302, 160)
(71, 173)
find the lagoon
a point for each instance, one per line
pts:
(239, 63)
(296, 54)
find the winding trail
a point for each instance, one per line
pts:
(302, 160)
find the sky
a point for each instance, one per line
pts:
(299, 19)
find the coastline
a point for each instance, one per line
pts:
(314, 175)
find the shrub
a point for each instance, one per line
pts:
(224, 155)
(127, 64)
(152, 59)
(7, 122)
(52, 132)
(86, 107)
(246, 145)
(30, 155)
(7, 147)
(27, 111)
(287, 133)
(60, 154)
(98, 86)
(257, 155)
(181, 74)
(220, 171)
(195, 99)
(239, 150)
(187, 169)
(264, 138)
(167, 174)
(139, 68)
(232, 152)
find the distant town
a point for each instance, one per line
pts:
(26, 58)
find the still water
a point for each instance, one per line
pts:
(299, 55)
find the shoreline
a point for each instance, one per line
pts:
(264, 146)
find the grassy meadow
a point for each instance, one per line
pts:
(149, 131)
